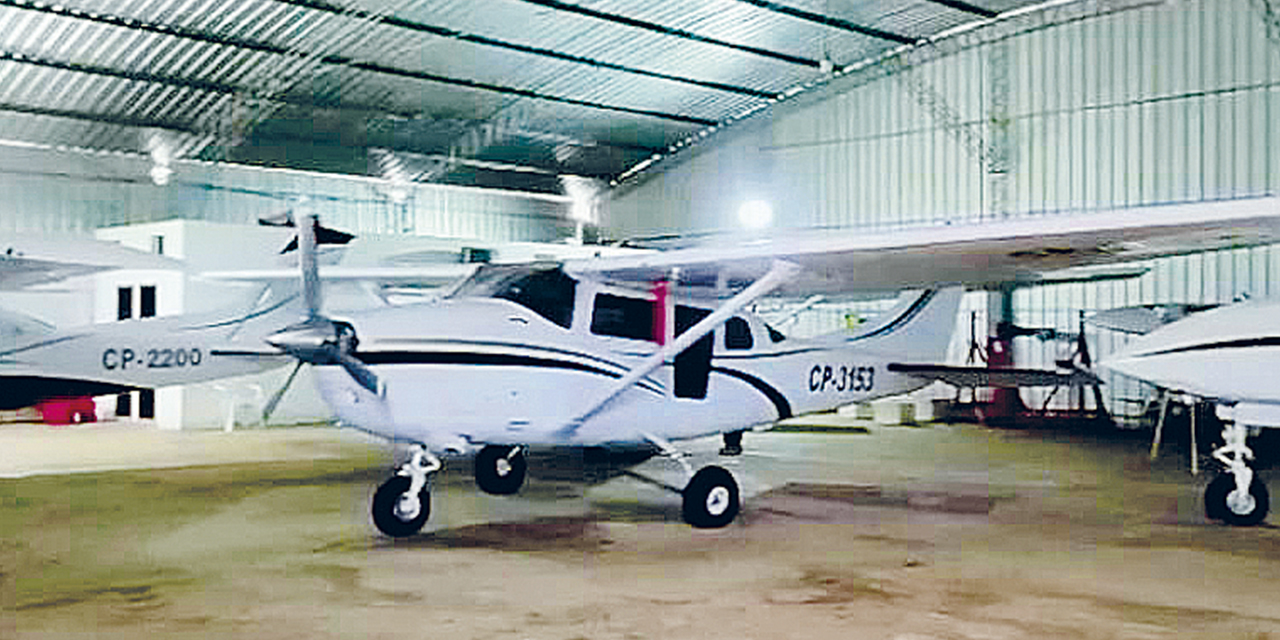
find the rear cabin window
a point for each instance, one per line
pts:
(547, 293)
(737, 334)
(622, 317)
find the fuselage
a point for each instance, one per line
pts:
(512, 364)
(1229, 353)
(113, 357)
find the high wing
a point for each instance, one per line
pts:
(975, 255)
(433, 275)
(26, 262)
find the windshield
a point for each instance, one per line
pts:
(545, 290)
(489, 279)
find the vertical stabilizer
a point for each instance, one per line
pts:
(918, 329)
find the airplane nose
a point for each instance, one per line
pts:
(320, 341)
(311, 342)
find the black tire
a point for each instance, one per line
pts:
(711, 498)
(384, 508)
(1215, 501)
(497, 474)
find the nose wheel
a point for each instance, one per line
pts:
(1236, 497)
(402, 504)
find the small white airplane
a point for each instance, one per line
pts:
(1228, 356)
(39, 362)
(639, 351)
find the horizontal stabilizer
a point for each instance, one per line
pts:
(996, 377)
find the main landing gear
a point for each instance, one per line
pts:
(711, 499)
(500, 470)
(1236, 497)
(402, 504)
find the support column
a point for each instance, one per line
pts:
(1006, 404)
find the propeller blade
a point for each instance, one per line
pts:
(272, 403)
(307, 261)
(358, 371)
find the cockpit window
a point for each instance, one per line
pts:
(547, 292)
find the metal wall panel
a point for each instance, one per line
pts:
(61, 192)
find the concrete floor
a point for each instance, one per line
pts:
(902, 533)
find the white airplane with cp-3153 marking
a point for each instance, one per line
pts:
(638, 352)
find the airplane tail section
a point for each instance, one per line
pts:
(918, 329)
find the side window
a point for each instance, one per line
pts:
(737, 334)
(774, 334)
(547, 293)
(622, 317)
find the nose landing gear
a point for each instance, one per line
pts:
(402, 504)
(1236, 497)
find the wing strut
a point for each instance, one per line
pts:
(779, 272)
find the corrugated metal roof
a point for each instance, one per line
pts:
(475, 91)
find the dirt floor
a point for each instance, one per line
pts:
(946, 532)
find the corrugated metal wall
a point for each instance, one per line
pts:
(1172, 102)
(62, 192)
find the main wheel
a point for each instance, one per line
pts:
(711, 498)
(1241, 511)
(388, 515)
(498, 472)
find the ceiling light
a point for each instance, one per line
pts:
(755, 214)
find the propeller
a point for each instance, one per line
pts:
(317, 340)
(323, 234)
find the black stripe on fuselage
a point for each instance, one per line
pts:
(905, 317)
(779, 401)
(1243, 343)
(485, 359)
(431, 343)
(42, 344)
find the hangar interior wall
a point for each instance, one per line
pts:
(52, 192)
(1176, 101)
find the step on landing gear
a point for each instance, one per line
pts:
(732, 444)
(402, 504)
